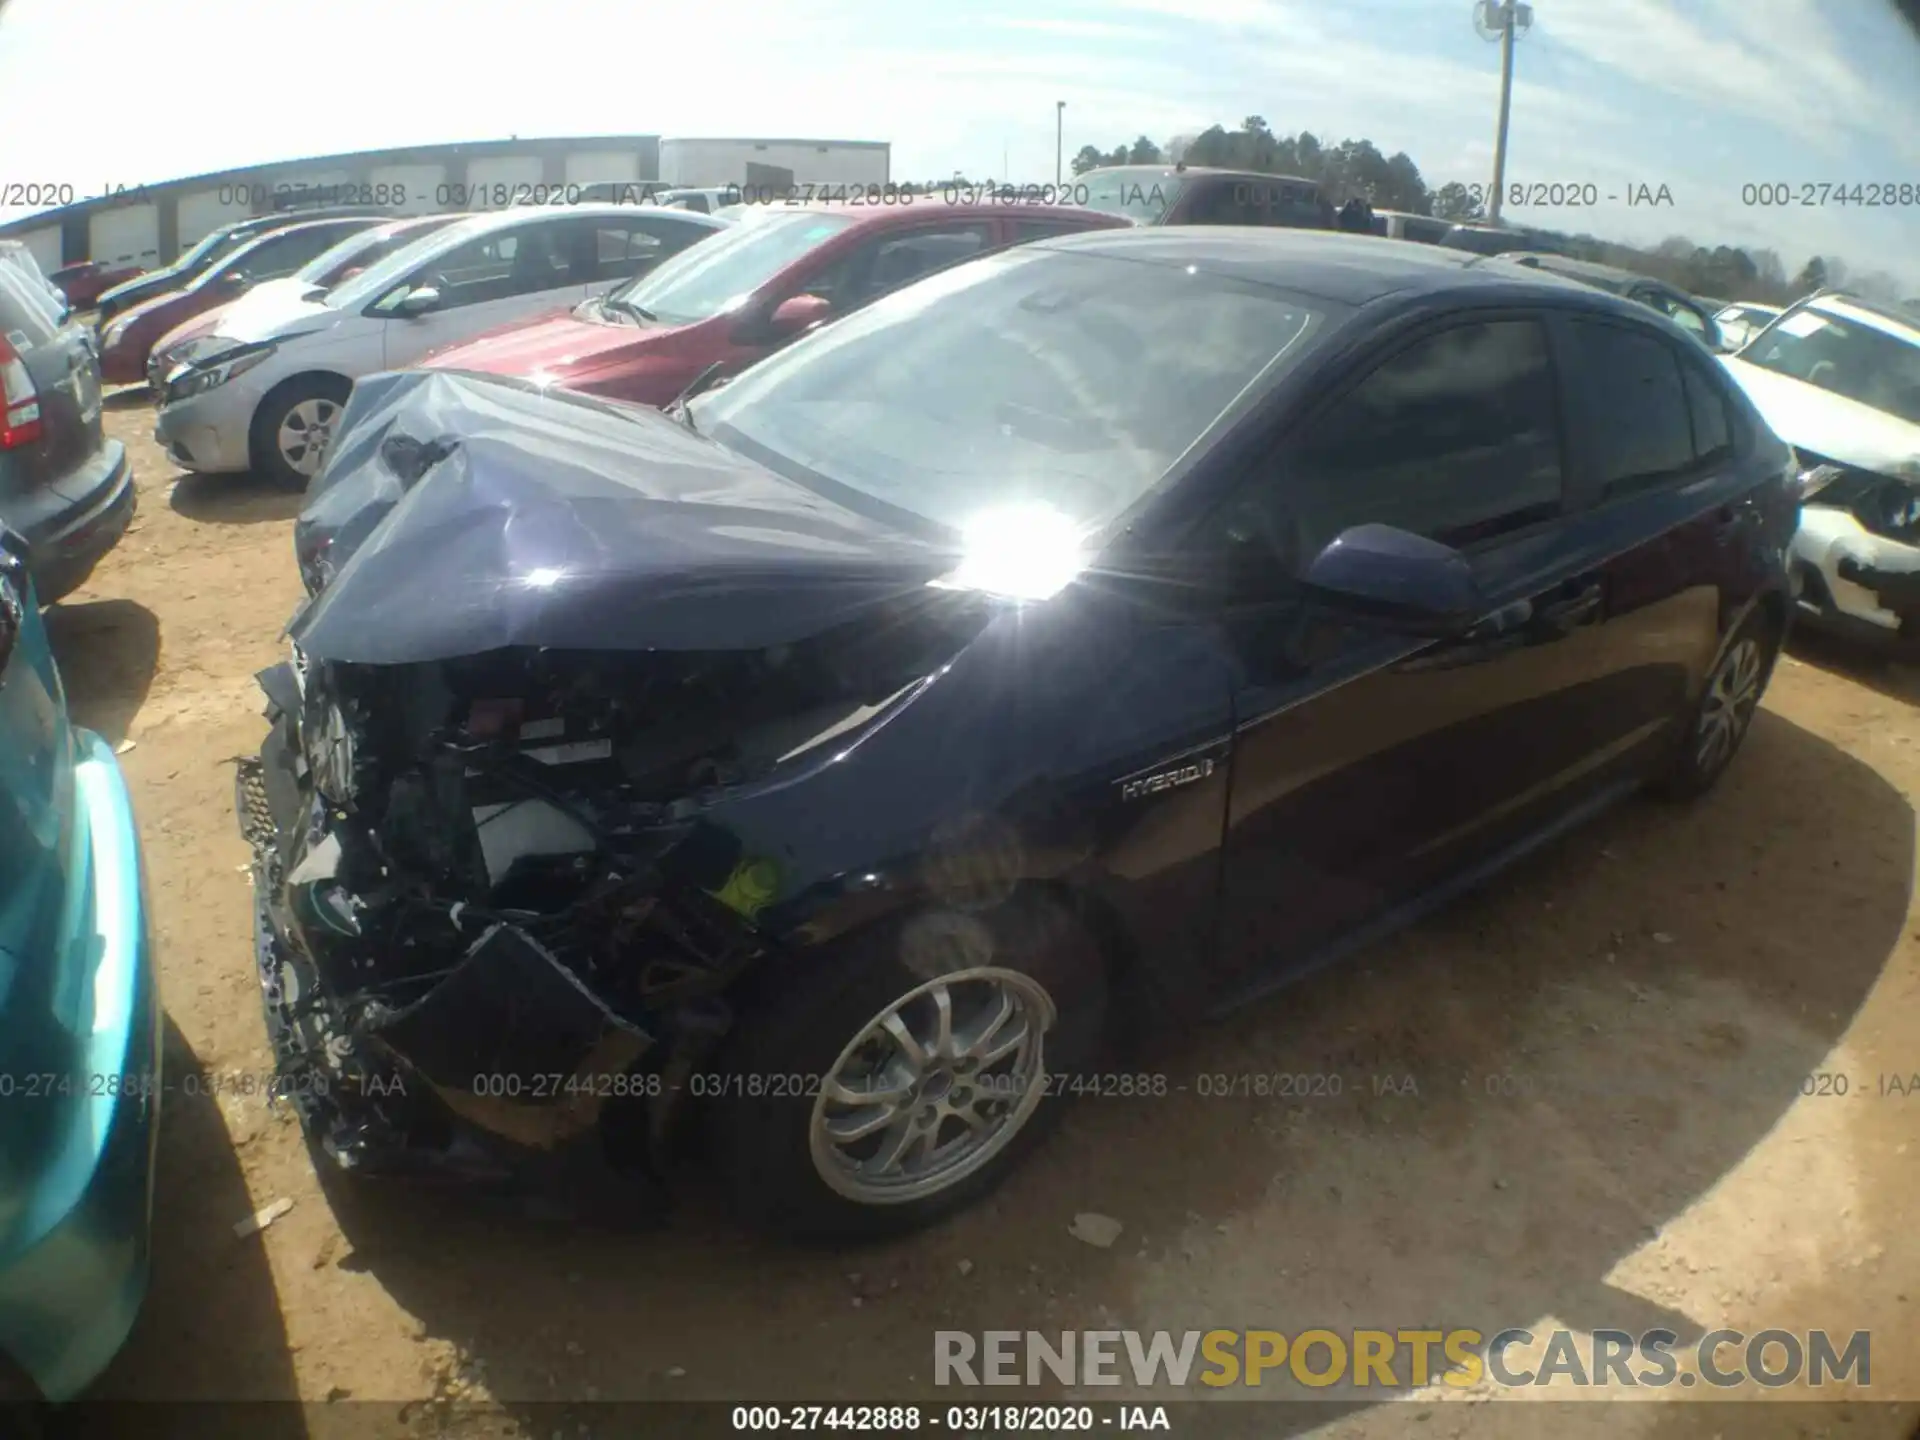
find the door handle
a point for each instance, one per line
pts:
(1571, 611)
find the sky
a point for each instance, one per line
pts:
(1704, 97)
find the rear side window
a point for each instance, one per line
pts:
(26, 317)
(1707, 407)
(1456, 438)
(1641, 420)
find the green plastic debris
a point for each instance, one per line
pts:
(751, 887)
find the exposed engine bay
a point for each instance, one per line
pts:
(491, 895)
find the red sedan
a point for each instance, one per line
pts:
(129, 338)
(85, 281)
(722, 304)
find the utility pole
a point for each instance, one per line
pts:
(1059, 131)
(1508, 20)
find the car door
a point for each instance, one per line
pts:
(1369, 769)
(1659, 499)
(495, 278)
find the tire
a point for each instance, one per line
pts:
(1726, 706)
(304, 403)
(782, 1173)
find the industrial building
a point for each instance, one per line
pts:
(151, 225)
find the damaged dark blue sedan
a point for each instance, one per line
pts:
(821, 767)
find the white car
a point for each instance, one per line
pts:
(266, 398)
(1743, 320)
(1838, 379)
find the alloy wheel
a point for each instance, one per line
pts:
(304, 433)
(1727, 709)
(932, 1087)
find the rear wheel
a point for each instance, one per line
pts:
(884, 1086)
(1726, 707)
(294, 425)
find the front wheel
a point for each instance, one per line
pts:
(1725, 711)
(889, 1084)
(294, 425)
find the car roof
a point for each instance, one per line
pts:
(1180, 171)
(371, 222)
(1348, 269)
(881, 217)
(488, 221)
(1589, 271)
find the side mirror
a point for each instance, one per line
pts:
(233, 280)
(797, 313)
(1397, 580)
(421, 300)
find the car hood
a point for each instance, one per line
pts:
(553, 346)
(461, 513)
(1809, 418)
(148, 282)
(281, 315)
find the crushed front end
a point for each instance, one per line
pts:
(1857, 548)
(481, 921)
(548, 641)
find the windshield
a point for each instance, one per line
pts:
(1142, 195)
(720, 274)
(360, 248)
(374, 281)
(219, 242)
(1841, 351)
(1028, 381)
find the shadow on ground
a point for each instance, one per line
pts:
(107, 651)
(233, 500)
(211, 1322)
(127, 397)
(1893, 672)
(1594, 1043)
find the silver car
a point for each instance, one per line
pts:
(266, 397)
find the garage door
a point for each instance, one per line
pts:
(44, 245)
(125, 235)
(205, 211)
(411, 189)
(494, 180)
(586, 166)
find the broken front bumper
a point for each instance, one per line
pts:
(455, 1086)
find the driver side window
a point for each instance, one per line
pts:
(497, 267)
(1456, 438)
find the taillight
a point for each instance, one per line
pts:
(19, 400)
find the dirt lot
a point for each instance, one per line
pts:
(1609, 1128)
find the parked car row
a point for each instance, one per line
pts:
(595, 298)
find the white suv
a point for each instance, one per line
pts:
(263, 393)
(1839, 380)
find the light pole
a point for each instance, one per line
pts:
(1059, 130)
(1509, 21)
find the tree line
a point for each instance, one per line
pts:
(1393, 182)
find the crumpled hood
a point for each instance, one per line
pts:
(460, 513)
(1809, 418)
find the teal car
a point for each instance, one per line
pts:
(79, 1028)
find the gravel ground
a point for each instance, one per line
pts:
(1608, 1049)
